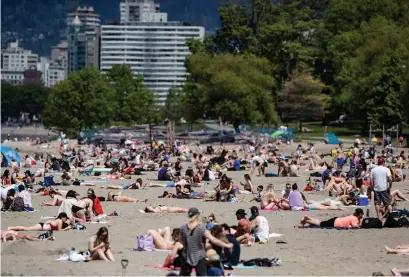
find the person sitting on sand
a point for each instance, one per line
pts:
(66, 205)
(244, 227)
(294, 169)
(165, 209)
(14, 235)
(99, 246)
(400, 249)
(57, 199)
(295, 199)
(163, 239)
(248, 185)
(268, 199)
(119, 198)
(58, 224)
(5, 178)
(96, 207)
(338, 222)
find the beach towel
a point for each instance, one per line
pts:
(335, 228)
(242, 266)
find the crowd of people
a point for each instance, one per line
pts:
(209, 248)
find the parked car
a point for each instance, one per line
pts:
(217, 138)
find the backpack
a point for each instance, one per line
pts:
(371, 223)
(145, 243)
(17, 205)
(391, 222)
(403, 222)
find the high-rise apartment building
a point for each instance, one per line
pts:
(83, 39)
(88, 17)
(140, 11)
(59, 54)
(52, 72)
(14, 61)
(149, 44)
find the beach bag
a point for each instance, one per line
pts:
(371, 223)
(17, 205)
(403, 222)
(391, 222)
(145, 243)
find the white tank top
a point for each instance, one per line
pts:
(263, 230)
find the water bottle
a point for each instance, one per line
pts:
(78, 227)
(367, 212)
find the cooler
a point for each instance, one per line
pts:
(363, 200)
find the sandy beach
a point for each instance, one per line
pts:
(307, 252)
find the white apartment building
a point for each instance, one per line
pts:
(53, 72)
(14, 61)
(86, 15)
(140, 10)
(156, 50)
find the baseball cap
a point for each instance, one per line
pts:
(241, 212)
(254, 210)
(193, 212)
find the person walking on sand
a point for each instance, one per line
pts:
(381, 180)
(192, 237)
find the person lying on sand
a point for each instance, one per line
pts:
(56, 197)
(402, 272)
(134, 185)
(61, 223)
(341, 222)
(165, 209)
(99, 246)
(119, 198)
(13, 236)
(164, 239)
(400, 249)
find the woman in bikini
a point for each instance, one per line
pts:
(82, 208)
(14, 235)
(269, 201)
(58, 224)
(57, 199)
(119, 198)
(163, 238)
(99, 248)
(165, 209)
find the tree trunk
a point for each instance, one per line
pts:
(300, 126)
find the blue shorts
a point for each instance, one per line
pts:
(170, 184)
(125, 186)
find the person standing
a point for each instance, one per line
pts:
(381, 180)
(192, 237)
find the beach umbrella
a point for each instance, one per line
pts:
(277, 133)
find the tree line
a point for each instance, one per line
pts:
(302, 60)
(270, 61)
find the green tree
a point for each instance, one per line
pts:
(237, 88)
(81, 101)
(173, 108)
(303, 98)
(130, 97)
(27, 98)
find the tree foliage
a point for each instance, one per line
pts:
(81, 101)
(130, 98)
(237, 88)
(27, 98)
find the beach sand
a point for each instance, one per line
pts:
(307, 252)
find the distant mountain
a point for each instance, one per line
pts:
(40, 24)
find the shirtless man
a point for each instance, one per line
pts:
(283, 168)
(258, 162)
(294, 169)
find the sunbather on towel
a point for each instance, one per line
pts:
(353, 220)
(14, 235)
(165, 209)
(119, 198)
